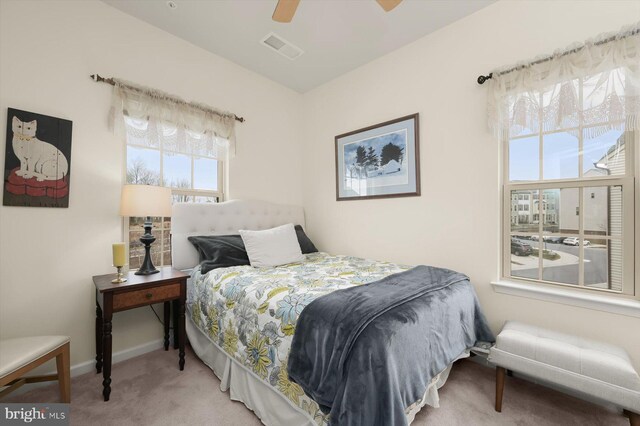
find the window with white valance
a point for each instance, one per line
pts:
(569, 128)
(170, 143)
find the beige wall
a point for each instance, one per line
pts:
(47, 256)
(455, 223)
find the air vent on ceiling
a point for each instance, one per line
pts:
(282, 46)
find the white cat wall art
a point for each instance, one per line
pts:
(37, 160)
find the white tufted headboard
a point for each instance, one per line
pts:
(223, 219)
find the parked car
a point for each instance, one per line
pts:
(575, 241)
(554, 240)
(535, 238)
(519, 248)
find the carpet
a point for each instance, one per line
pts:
(150, 390)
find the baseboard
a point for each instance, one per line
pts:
(482, 360)
(90, 365)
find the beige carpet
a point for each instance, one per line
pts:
(150, 390)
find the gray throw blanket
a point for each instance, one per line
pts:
(366, 353)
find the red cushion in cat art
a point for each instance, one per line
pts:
(51, 188)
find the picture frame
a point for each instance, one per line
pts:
(37, 160)
(379, 161)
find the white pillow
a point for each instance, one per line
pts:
(272, 247)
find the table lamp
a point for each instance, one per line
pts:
(146, 201)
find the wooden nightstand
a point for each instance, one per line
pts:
(139, 290)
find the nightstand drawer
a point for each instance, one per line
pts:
(132, 299)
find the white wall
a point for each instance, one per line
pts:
(455, 223)
(48, 256)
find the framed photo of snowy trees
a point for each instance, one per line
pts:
(379, 161)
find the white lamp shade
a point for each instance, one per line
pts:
(145, 200)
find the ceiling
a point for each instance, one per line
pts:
(335, 35)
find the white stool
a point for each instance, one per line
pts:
(21, 355)
(597, 369)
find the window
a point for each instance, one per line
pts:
(195, 178)
(579, 174)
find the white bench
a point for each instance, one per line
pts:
(596, 369)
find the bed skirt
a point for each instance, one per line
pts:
(273, 408)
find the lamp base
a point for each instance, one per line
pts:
(146, 272)
(147, 267)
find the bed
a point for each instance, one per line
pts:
(241, 320)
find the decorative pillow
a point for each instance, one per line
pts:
(220, 251)
(306, 245)
(272, 247)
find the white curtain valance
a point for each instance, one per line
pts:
(597, 81)
(152, 118)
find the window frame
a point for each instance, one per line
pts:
(630, 199)
(218, 194)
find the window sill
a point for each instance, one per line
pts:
(567, 297)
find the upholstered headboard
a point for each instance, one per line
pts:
(223, 219)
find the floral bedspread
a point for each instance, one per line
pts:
(251, 313)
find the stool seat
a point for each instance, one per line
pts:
(594, 368)
(21, 355)
(18, 352)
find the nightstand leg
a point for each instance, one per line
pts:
(98, 339)
(106, 343)
(167, 312)
(181, 332)
(176, 308)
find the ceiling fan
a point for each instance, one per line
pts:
(285, 9)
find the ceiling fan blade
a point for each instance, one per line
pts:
(388, 5)
(285, 10)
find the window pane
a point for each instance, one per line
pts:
(561, 212)
(560, 156)
(560, 262)
(523, 217)
(524, 163)
(604, 152)
(603, 210)
(181, 198)
(177, 171)
(205, 173)
(524, 258)
(604, 267)
(199, 199)
(165, 239)
(143, 166)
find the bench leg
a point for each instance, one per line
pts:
(500, 373)
(63, 364)
(634, 419)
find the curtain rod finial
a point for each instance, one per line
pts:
(483, 78)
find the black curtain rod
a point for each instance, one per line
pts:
(483, 78)
(100, 79)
